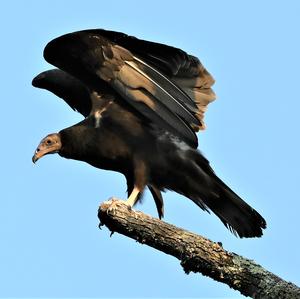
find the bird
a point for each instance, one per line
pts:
(143, 103)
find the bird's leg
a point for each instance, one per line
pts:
(133, 197)
(130, 202)
(136, 185)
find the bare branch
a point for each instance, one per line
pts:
(197, 254)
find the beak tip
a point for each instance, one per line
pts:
(34, 159)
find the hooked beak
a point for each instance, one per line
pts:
(38, 154)
(35, 158)
(51, 144)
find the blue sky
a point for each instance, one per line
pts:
(50, 243)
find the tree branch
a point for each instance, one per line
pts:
(196, 253)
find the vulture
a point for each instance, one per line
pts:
(142, 104)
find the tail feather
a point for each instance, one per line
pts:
(158, 199)
(212, 193)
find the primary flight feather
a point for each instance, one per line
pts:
(142, 102)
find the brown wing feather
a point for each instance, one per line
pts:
(171, 83)
(185, 70)
(91, 57)
(198, 88)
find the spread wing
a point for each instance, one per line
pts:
(86, 101)
(161, 87)
(185, 71)
(67, 87)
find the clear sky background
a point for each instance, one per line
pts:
(50, 243)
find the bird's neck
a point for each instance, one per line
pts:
(76, 142)
(84, 143)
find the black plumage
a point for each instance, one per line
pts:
(142, 103)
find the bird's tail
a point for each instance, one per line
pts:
(201, 184)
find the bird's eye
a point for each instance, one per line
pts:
(48, 141)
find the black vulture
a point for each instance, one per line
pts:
(142, 102)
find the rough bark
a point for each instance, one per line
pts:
(197, 254)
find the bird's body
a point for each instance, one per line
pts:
(142, 104)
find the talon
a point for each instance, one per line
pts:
(113, 205)
(115, 202)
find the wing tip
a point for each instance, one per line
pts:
(38, 80)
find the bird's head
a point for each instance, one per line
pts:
(51, 144)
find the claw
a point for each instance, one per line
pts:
(113, 205)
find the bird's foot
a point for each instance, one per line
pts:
(115, 203)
